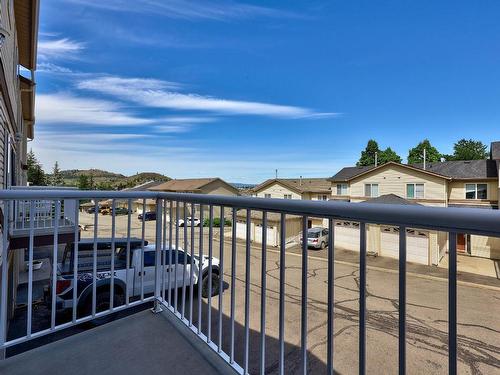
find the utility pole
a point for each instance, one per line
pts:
(376, 158)
(276, 173)
(425, 157)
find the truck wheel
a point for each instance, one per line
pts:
(102, 304)
(215, 285)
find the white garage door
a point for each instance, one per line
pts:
(347, 235)
(241, 230)
(417, 244)
(272, 235)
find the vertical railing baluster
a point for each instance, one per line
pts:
(263, 287)
(164, 251)
(158, 252)
(210, 254)
(402, 300)
(5, 260)
(200, 270)
(75, 261)
(94, 259)
(30, 269)
(221, 274)
(184, 206)
(248, 238)
(233, 280)
(191, 266)
(281, 321)
(331, 296)
(113, 251)
(176, 256)
(170, 252)
(303, 324)
(54, 265)
(143, 234)
(127, 266)
(452, 305)
(362, 298)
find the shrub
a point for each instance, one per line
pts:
(216, 222)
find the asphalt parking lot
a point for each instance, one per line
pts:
(478, 330)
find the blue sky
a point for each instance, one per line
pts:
(239, 89)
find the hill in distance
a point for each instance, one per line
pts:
(109, 180)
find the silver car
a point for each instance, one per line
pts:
(317, 238)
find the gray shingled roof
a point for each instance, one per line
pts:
(346, 173)
(464, 168)
(459, 169)
(391, 199)
(495, 150)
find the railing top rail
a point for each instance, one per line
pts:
(466, 220)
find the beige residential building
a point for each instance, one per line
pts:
(284, 188)
(473, 183)
(18, 48)
(210, 186)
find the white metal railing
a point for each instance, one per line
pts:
(44, 213)
(171, 292)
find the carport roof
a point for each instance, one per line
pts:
(391, 199)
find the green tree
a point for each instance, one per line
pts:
(416, 154)
(36, 175)
(368, 154)
(84, 182)
(468, 149)
(57, 178)
(388, 155)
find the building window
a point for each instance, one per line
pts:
(341, 189)
(287, 196)
(476, 191)
(371, 190)
(322, 197)
(267, 195)
(415, 191)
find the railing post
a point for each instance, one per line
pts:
(5, 260)
(452, 304)
(157, 305)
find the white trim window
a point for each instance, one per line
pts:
(476, 191)
(371, 190)
(322, 197)
(342, 189)
(267, 195)
(287, 196)
(415, 191)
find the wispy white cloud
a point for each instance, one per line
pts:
(188, 9)
(63, 48)
(48, 67)
(65, 108)
(162, 94)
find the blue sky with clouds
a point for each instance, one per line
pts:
(238, 89)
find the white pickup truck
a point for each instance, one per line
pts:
(139, 280)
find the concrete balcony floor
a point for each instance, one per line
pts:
(142, 343)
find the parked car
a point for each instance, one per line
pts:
(65, 281)
(105, 211)
(121, 211)
(317, 238)
(196, 221)
(90, 210)
(149, 215)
